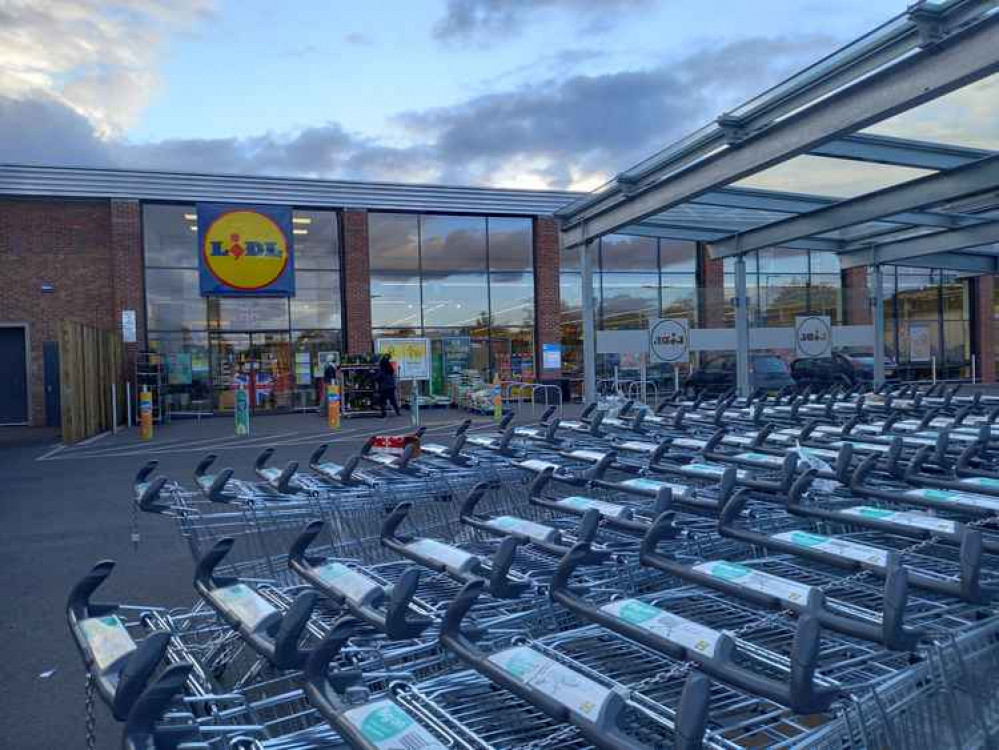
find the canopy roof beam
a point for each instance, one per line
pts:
(927, 72)
(899, 152)
(970, 179)
(924, 244)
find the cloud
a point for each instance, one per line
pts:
(97, 57)
(484, 21)
(571, 132)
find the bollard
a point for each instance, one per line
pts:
(242, 411)
(333, 406)
(497, 399)
(146, 414)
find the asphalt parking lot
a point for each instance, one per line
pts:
(65, 508)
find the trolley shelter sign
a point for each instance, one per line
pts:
(245, 250)
(411, 357)
(669, 340)
(813, 337)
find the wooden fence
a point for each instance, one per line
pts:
(89, 363)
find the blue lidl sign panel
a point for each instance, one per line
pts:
(245, 250)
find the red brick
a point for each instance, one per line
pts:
(547, 296)
(984, 324)
(711, 289)
(856, 296)
(356, 282)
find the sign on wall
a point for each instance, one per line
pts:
(551, 356)
(411, 357)
(128, 328)
(245, 250)
(669, 340)
(813, 337)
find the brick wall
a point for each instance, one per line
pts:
(547, 298)
(128, 279)
(356, 282)
(63, 243)
(856, 301)
(983, 330)
(711, 289)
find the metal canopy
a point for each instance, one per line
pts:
(948, 216)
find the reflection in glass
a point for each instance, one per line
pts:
(315, 240)
(783, 260)
(173, 299)
(511, 297)
(679, 294)
(510, 242)
(677, 256)
(393, 241)
(455, 300)
(316, 303)
(253, 314)
(619, 252)
(186, 362)
(395, 301)
(628, 300)
(782, 298)
(453, 243)
(170, 239)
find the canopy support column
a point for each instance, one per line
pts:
(586, 253)
(878, 319)
(741, 328)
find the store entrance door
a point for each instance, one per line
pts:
(260, 362)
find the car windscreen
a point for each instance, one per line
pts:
(769, 365)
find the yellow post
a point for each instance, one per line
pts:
(333, 405)
(146, 414)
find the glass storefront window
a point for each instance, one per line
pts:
(679, 293)
(510, 244)
(395, 301)
(513, 353)
(628, 300)
(569, 260)
(394, 242)
(452, 243)
(455, 300)
(782, 298)
(784, 260)
(186, 361)
(619, 252)
(677, 256)
(173, 300)
(317, 246)
(511, 298)
(171, 236)
(242, 314)
(316, 303)
(824, 297)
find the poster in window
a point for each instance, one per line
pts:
(179, 371)
(920, 342)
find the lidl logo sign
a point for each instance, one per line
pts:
(245, 250)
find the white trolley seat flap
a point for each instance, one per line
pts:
(246, 605)
(576, 692)
(756, 580)
(666, 625)
(385, 725)
(108, 641)
(351, 584)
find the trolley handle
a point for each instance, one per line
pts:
(120, 667)
(272, 634)
(141, 732)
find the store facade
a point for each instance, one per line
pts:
(476, 271)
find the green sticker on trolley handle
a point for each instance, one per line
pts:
(835, 546)
(986, 502)
(577, 502)
(756, 580)
(904, 518)
(387, 727)
(982, 482)
(536, 531)
(108, 640)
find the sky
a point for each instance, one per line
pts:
(513, 93)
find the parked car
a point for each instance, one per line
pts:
(766, 371)
(840, 369)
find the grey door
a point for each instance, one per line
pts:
(13, 377)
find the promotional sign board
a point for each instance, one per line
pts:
(551, 356)
(245, 250)
(457, 354)
(813, 337)
(128, 326)
(920, 342)
(180, 370)
(669, 340)
(146, 414)
(411, 357)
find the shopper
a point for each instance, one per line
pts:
(385, 382)
(329, 378)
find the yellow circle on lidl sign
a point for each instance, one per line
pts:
(245, 250)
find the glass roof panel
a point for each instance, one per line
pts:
(966, 117)
(832, 178)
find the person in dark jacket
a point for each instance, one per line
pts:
(385, 381)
